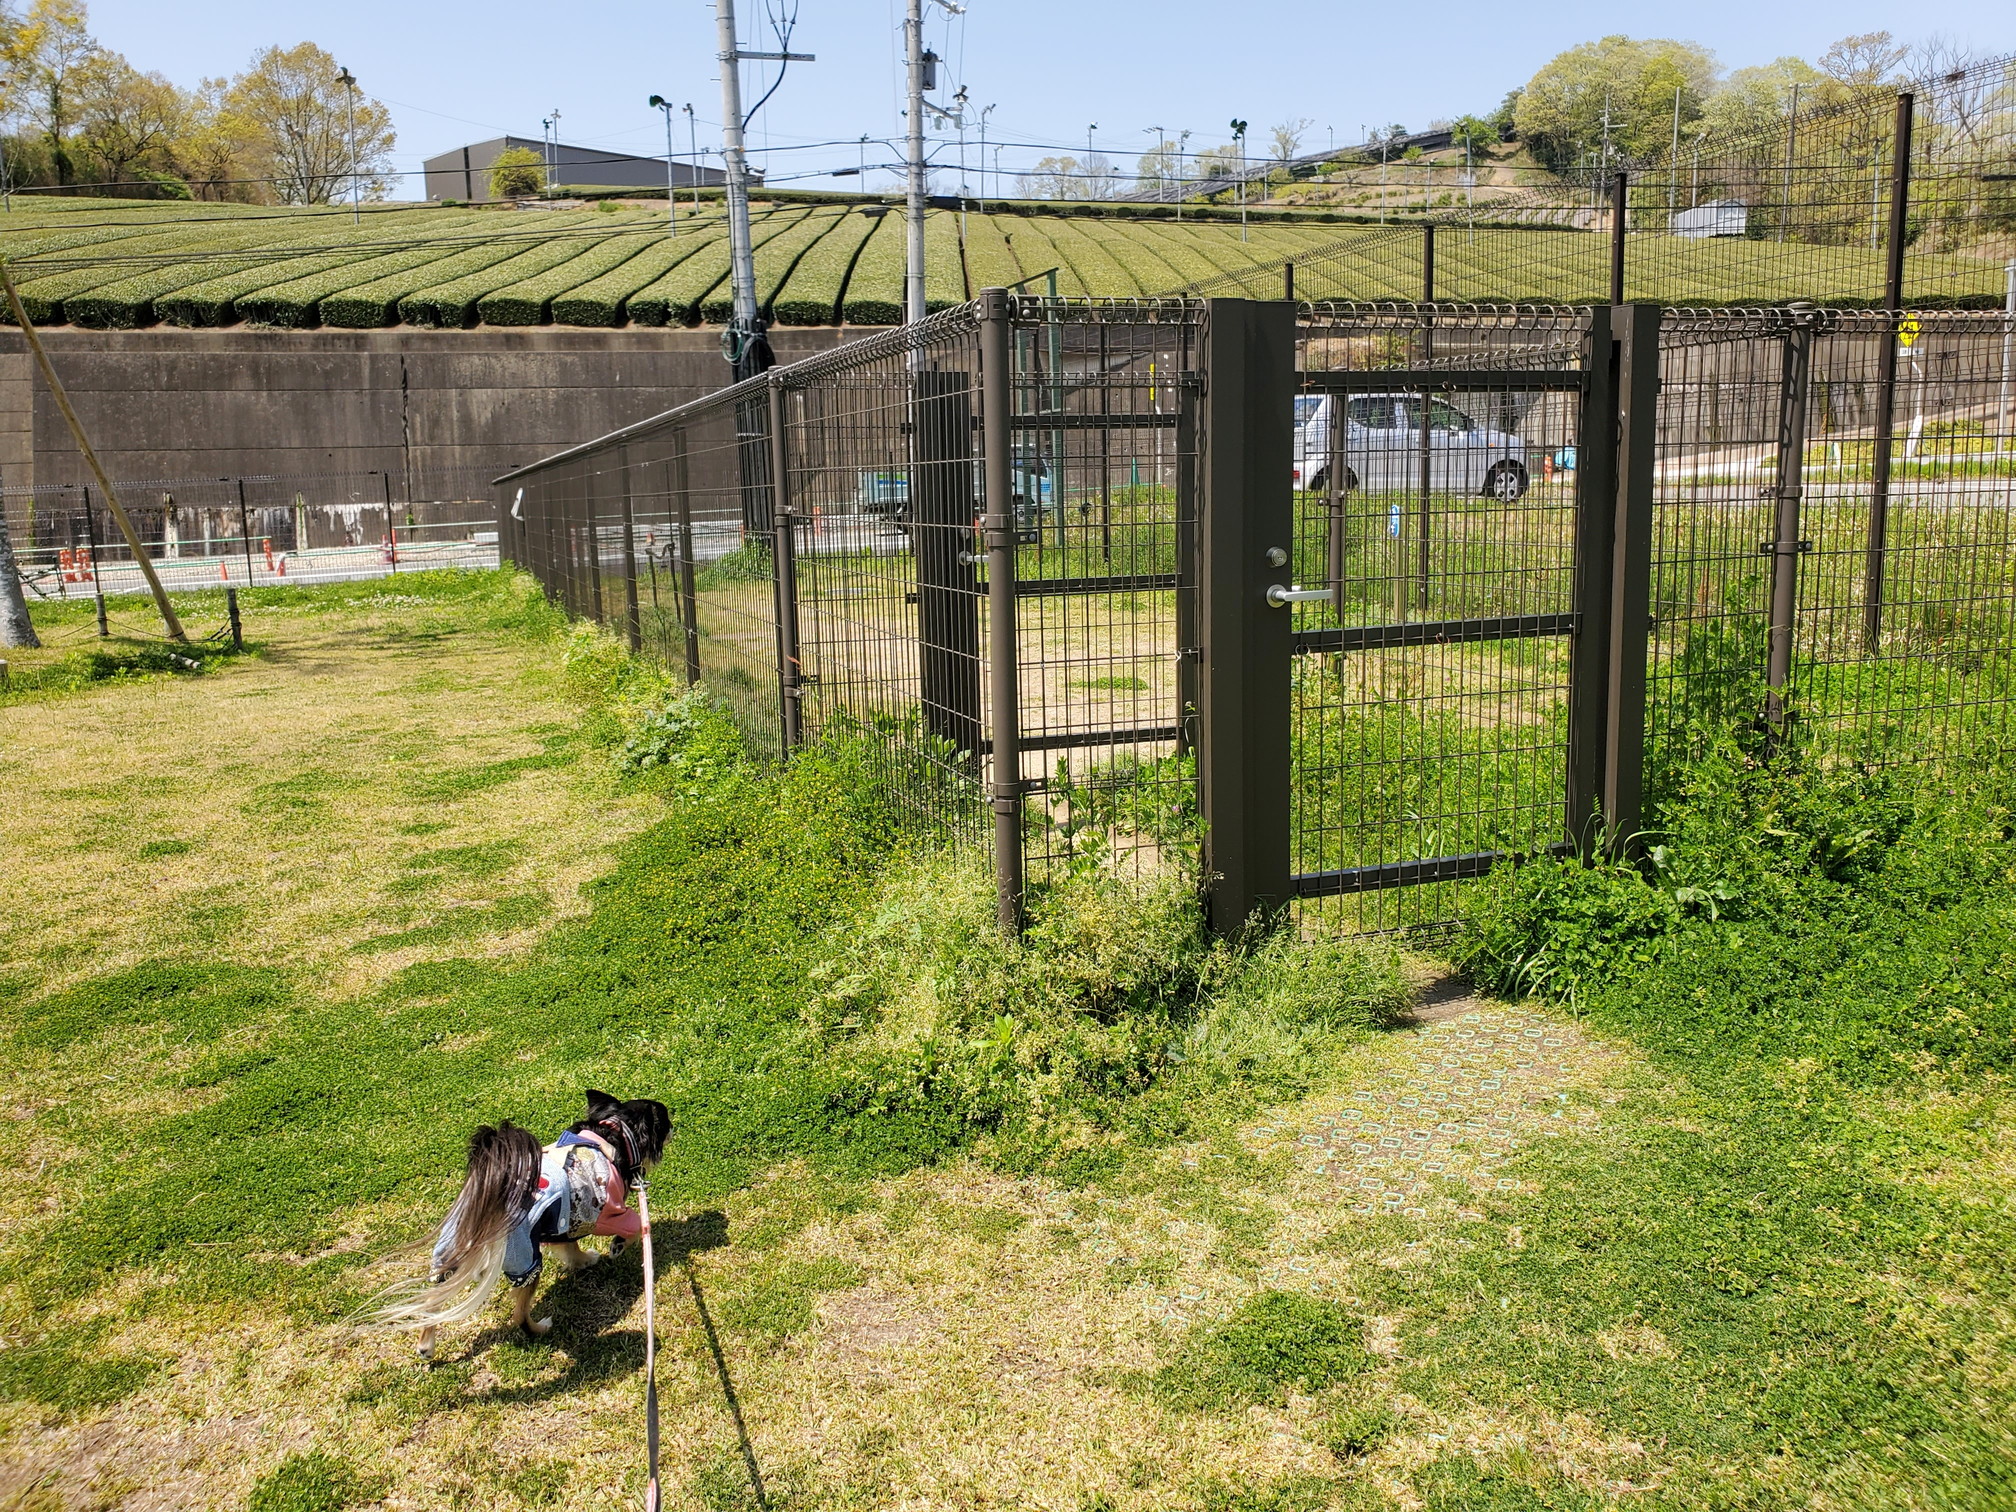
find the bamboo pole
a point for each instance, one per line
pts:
(168, 619)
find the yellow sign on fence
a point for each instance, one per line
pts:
(1907, 331)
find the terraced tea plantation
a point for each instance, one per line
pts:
(115, 265)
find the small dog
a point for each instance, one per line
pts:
(518, 1199)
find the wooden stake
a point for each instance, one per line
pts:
(168, 619)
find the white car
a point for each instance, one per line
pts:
(1382, 447)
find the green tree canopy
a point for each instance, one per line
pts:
(517, 172)
(1628, 83)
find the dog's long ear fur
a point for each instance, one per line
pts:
(497, 1191)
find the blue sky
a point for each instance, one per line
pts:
(454, 71)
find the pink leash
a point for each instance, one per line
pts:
(652, 1502)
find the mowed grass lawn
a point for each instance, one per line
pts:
(280, 933)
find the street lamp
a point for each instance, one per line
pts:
(664, 107)
(1090, 151)
(349, 83)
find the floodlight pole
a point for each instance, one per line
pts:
(349, 83)
(664, 107)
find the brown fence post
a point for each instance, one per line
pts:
(633, 617)
(941, 531)
(391, 530)
(591, 486)
(1636, 328)
(1886, 381)
(1785, 545)
(1003, 663)
(1245, 536)
(1595, 563)
(784, 564)
(689, 597)
(245, 529)
(1189, 641)
(1620, 221)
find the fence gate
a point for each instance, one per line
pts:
(1421, 582)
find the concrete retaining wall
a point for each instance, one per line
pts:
(420, 404)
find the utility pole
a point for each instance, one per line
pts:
(664, 107)
(1090, 153)
(1161, 163)
(1182, 169)
(1673, 166)
(349, 83)
(985, 111)
(913, 145)
(744, 344)
(1791, 150)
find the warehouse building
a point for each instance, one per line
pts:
(464, 173)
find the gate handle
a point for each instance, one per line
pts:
(1280, 597)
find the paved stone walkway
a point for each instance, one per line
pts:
(1433, 1124)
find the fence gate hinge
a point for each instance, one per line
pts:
(1786, 548)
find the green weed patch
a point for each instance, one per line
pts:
(1277, 1342)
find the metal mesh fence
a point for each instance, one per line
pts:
(915, 545)
(1863, 609)
(1858, 195)
(809, 544)
(260, 529)
(1435, 522)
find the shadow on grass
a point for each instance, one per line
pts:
(587, 1308)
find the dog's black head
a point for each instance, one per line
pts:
(638, 1128)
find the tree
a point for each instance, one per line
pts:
(1221, 162)
(127, 120)
(1612, 100)
(1159, 170)
(1863, 60)
(1051, 178)
(45, 51)
(16, 628)
(1754, 102)
(1285, 140)
(1472, 133)
(517, 172)
(218, 150)
(297, 118)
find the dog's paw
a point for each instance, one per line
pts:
(425, 1349)
(538, 1327)
(618, 1245)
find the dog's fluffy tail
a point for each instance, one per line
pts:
(497, 1193)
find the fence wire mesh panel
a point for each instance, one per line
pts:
(1849, 191)
(1433, 601)
(1834, 537)
(1103, 447)
(810, 545)
(265, 529)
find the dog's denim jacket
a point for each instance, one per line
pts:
(580, 1193)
